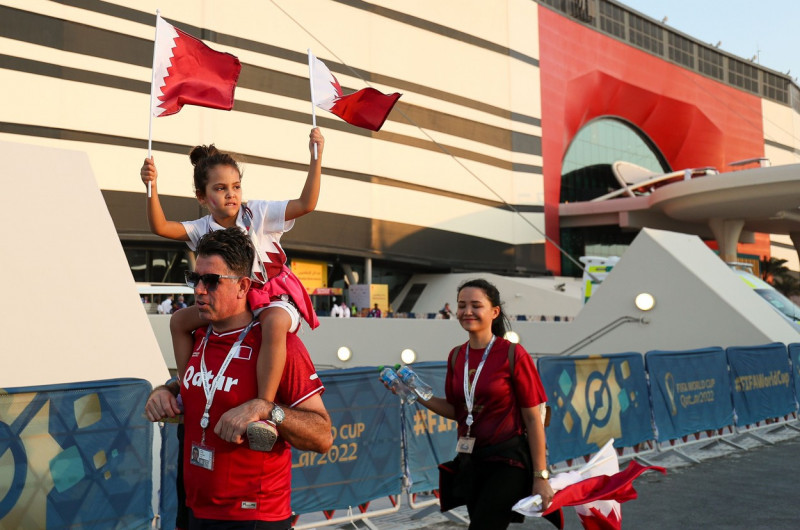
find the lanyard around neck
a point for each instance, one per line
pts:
(469, 393)
(208, 387)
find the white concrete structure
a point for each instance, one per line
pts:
(71, 310)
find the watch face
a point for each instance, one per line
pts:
(277, 414)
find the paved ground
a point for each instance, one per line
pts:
(729, 489)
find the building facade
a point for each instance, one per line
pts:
(465, 175)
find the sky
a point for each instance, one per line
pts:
(767, 29)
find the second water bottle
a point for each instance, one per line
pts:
(413, 381)
(391, 379)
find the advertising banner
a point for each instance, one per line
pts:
(365, 461)
(430, 438)
(592, 399)
(794, 357)
(76, 455)
(691, 391)
(762, 382)
(312, 274)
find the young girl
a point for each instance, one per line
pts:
(279, 299)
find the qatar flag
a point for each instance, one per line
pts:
(367, 108)
(187, 72)
(595, 490)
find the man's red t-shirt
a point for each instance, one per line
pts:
(244, 484)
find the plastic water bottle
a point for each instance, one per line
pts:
(391, 379)
(415, 383)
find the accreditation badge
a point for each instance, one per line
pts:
(202, 456)
(465, 444)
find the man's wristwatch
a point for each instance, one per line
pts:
(545, 474)
(277, 415)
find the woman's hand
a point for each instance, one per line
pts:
(149, 173)
(542, 488)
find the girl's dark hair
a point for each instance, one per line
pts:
(205, 157)
(501, 323)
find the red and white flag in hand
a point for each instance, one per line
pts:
(367, 108)
(187, 72)
(595, 490)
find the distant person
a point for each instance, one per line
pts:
(445, 311)
(336, 311)
(165, 307)
(345, 310)
(353, 310)
(181, 302)
(375, 312)
(278, 297)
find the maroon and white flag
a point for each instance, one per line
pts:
(187, 72)
(595, 490)
(367, 108)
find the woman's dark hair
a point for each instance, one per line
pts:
(205, 157)
(501, 323)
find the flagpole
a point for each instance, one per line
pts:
(313, 105)
(152, 82)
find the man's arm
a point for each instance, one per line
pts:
(306, 427)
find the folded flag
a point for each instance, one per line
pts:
(367, 108)
(187, 72)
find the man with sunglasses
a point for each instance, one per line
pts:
(227, 484)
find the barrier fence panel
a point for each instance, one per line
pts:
(691, 391)
(762, 382)
(168, 496)
(76, 455)
(794, 357)
(364, 462)
(430, 438)
(592, 399)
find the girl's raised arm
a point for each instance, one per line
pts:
(159, 224)
(308, 198)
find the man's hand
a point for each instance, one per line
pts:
(232, 425)
(161, 404)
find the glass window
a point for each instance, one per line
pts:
(681, 50)
(607, 140)
(612, 19)
(710, 63)
(157, 265)
(645, 34)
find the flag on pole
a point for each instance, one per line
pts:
(367, 108)
(187, 72)
(595, 490)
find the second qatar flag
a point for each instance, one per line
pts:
(367, 108)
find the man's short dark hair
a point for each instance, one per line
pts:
(232, 245)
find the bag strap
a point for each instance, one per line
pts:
(453, 355)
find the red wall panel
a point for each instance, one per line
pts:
(585, 75)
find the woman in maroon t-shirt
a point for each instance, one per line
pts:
(501, 441)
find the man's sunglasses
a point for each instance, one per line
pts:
(209, 280)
